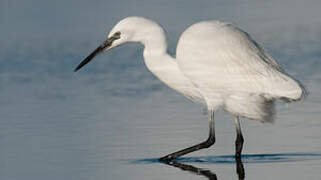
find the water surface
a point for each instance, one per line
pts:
(114, 119)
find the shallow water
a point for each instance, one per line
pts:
(114, 119)
(124, 139)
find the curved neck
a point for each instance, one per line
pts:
(154, 41)
(155, 47)
(156, 58)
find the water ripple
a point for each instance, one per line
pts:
(246, 158)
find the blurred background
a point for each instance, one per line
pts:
(57, 124)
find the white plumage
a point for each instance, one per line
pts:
(217, 65)
(232, 71)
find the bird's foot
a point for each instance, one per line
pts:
(166, 159)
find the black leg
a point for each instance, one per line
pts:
(210, 141)
(239, 139)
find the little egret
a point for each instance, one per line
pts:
(217, 65)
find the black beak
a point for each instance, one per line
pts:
(105, 45)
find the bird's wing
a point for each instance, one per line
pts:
(249, 56)
(221, 56)
(253, 45)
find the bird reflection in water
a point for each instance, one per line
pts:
(205, 172)
(230, 159)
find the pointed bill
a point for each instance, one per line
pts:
(104, 46)
(97, 51)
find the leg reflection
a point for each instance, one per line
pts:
(207, 173)
(240, 168)
(199, 171)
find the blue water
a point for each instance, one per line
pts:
(246, 158)
(184, 163)
(114, 119)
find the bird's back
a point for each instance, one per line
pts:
(222, 60)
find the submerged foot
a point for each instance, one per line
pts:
(238, 156)
(166, 159)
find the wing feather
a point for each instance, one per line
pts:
(233, 61)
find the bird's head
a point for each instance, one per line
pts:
(130, 29)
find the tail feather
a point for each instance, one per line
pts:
(297, 93)
(251, 106)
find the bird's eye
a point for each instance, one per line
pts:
(117, 35)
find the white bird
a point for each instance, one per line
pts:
(217, 65)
